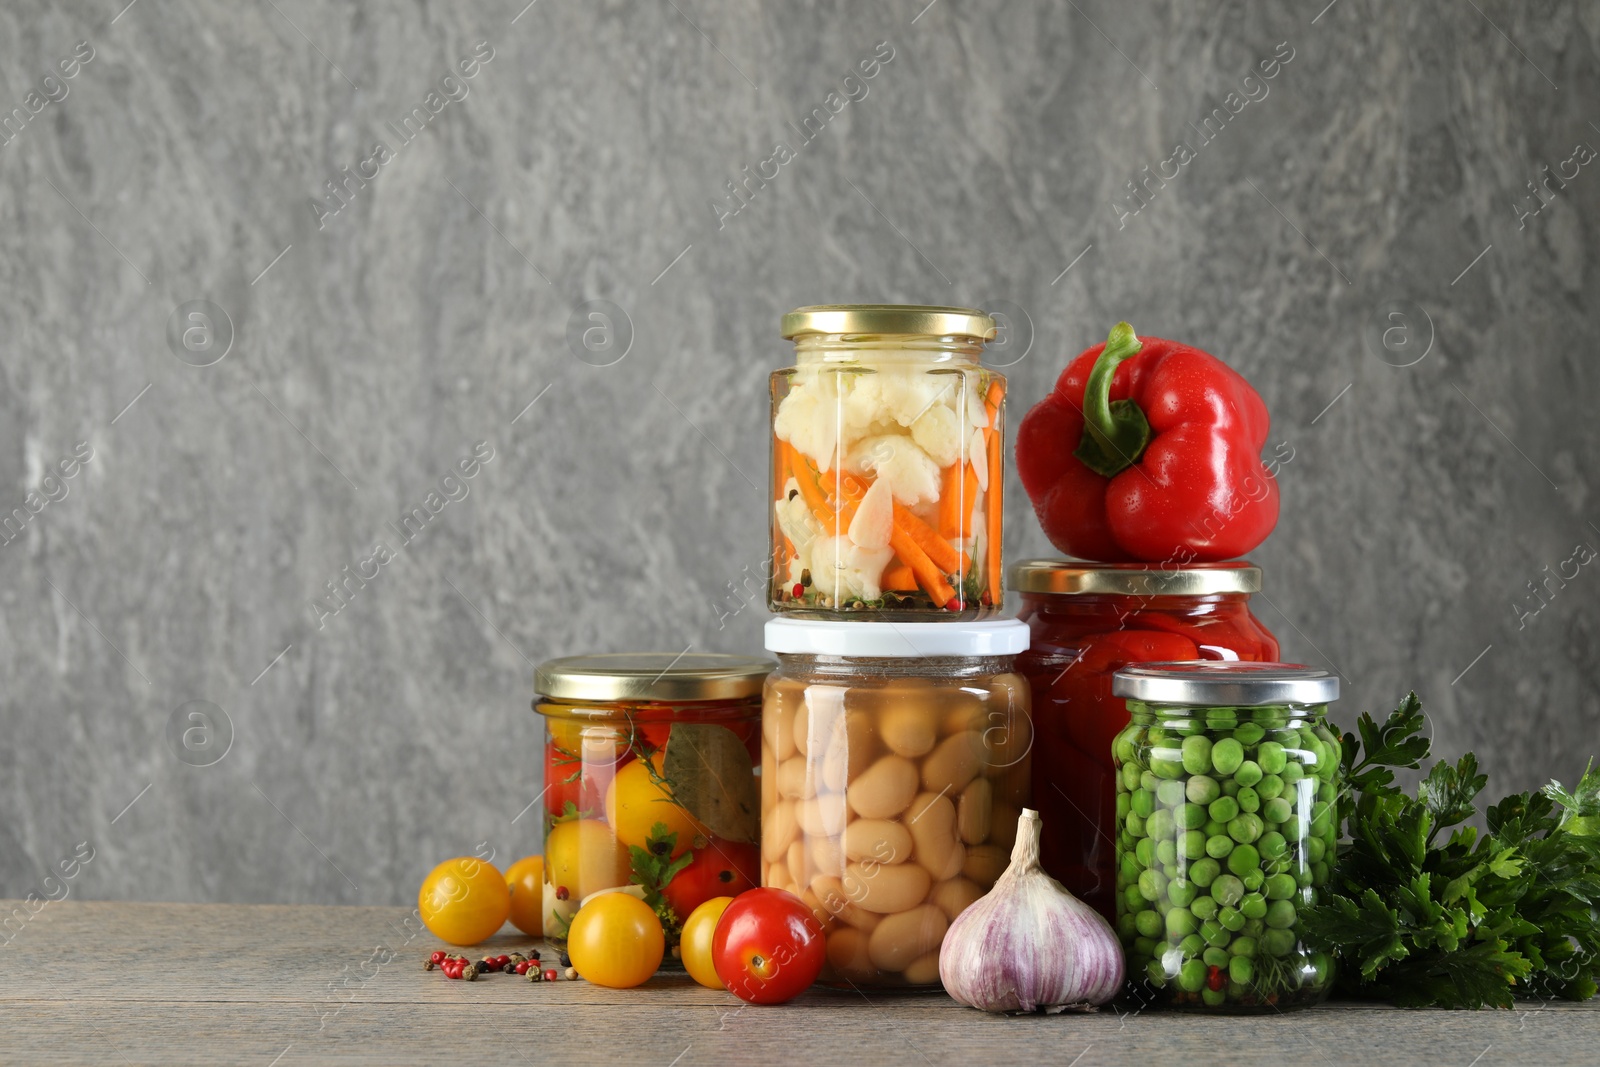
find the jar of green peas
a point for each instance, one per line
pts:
(1227, 782)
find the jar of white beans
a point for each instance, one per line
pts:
(894, 764)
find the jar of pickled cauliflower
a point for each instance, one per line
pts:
(894, 765)
(1228, 780)
(651, 751)
(888, 459)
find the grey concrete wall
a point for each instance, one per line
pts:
(1371, 209)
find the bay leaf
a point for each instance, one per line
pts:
(713, 778)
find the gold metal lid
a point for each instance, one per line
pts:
(1135, 579)
(651, 676)
(929, 321)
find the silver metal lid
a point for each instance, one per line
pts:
(1210, 683)
(651, 676)
(1134, 579)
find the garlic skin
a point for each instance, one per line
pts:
(1028, 944)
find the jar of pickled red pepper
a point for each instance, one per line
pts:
(1228, 779)
(1087, 621)
(650, 751)
(894, 765)
(888, 445)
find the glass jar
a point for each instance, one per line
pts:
(894, 766)
(1087, 621)
(888, 445)
(1227, 786)
(654, 751)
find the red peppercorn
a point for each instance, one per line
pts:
(561, 892)
(798, 591)
(522, 968)
(986, 600)
(438, 956)
(550, 975)
(1214, 979)
(954, 604)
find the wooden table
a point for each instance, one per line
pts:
(185, 983)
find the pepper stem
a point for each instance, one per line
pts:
(1116, 434)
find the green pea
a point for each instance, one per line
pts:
(1214, 933)
(1124, 840)
(1227, 755)
(1148, 780)
(1159, 825)
(1144, 854)
(1292, 773)
(1145, 946)
(1134, 898)
(1241, 970)
(1230, 788)
(1171, 794)
(1134, 824)
(1280, 914)
(1272, 846)
(1215, 957)
(1271, 757)
(1204, 907)
(1219, 847)
(1221, 719)
(1223, 808)
(1204, 872)
(1124, 804)
(1227, 890)
(1321, 817)
(1167, 768)
(1212, 828)
(1249, 733)
(1152, 885)
(1270, 787)
(1197, 754)
(1202, 789)
(1192, 945)
(1191, 817)
(1302, 877)
(1142, 803)
(1254, 928)
(1180, 924)
(1128, 926)
(1281, 887)
(1327, 793)
(1316, 850)
(1166, 852)
(1253, 880)
(1192, 976)
(1192, 845)
(1156, 973)
(1243, 945)
(1277, 810)
(1319, 874)
(1279, 942)
(1245, 828)
(1249, 773)
(1130, 776)
(1249, 799)
(1254, 906)
(1213, 998)
(1148, 924)
(1181, 892)
(1123, 747)
(1241, 861)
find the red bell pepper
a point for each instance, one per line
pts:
(1149, 450)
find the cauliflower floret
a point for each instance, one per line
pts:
(863, 406)
(907, 393)
(809, 417)
(841, 569)
(795, 518)
(938, 432)
(896, 459)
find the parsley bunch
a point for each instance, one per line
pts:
(1470, 920)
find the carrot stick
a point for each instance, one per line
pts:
(928, 576)
(947, 558)
(815, 500)
(994, 507)
(898, 577)
(968, 498)
(950, 501)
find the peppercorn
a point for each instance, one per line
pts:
(566, 960)
(550, 975)
(470, 972)
(561, 892)
(521, 968)
(535, 975)
(572, 975)
(798, 591)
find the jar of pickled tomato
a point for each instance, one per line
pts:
(894, 765)
(888, 444)
(1228, 779)
(650, 751)
(1087, 621)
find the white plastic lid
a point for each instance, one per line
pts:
(896, 640)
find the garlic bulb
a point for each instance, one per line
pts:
(1028, 944)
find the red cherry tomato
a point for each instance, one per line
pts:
(768, 947)
(720, 869)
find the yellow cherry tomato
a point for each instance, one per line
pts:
(616, 940)
(583, 856)
(696, 942)
(636, 802)
(464, 900)
(525, 879)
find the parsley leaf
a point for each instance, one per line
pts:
(1475, 919)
